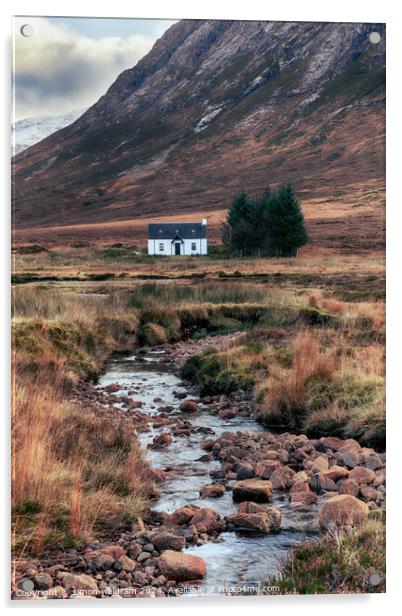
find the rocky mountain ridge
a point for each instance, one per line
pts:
(215, 106)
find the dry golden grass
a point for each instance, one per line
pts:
(74, 473)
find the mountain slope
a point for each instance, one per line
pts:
(217, 105)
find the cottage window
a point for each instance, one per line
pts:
(161, 247)
(193, 246)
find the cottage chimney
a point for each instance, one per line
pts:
(205, 221)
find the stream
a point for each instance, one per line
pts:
(234, 559)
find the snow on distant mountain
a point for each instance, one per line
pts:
(29, 131)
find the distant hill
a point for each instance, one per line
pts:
(29, 131)
(215, 106)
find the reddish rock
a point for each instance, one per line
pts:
(208, 445)
(181, 567)
(300, 486)
(319, 465)
(300, 477)
(342, 510)
(368, 493)
(332, 442)
(261, 521)
(265, 468)
(360, 474)
(227, 413)
(79, 582)
(42, 581)
(336, 472)
(256, 490)
(304, 498)
(245, 471)
(189, 406)
(165, 540)
(113, 387)
(183, 515)
(281, 478)
(349, 487)
(162, 440)
(206, 520)
(320, 483)
(127, 564)
(213, 490)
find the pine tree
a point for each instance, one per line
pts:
(287, 223)
(241, 223)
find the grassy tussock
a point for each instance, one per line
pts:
(340, 563)
(74, 473)
(312, 370)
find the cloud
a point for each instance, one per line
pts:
(58, 70)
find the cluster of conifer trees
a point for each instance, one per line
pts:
(269, 225)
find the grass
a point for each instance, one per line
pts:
(342, 563)
(311, 370)
(75, 473)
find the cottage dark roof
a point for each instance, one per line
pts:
(169, 230)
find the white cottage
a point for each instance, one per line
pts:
(177, 238)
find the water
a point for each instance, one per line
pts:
(235, 559)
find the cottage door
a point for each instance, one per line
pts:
(177, 248)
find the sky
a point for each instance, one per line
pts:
(69, 62)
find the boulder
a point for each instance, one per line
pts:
(104, 561)
(342, 510)
(350, 454)
(349, 487)
(319, 465)
(183, 515)
(114, 550)
(300, 493)
(300, 486)
(206, 520)
(165, 540)
(181, 567)
(42, 581)
(213, 490)
(265, 468)
(161, 440)
(368, 493)
(374, 462)
(79, 582)
(300, 477)
(282, 478)
(260, 521)
(320, 483)
(227, 413)
(332, 442)
(360, 474)
(336, 472)
(189, 406)
(245, 471)
(304, 498)
(125, 563)
(257, 490)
